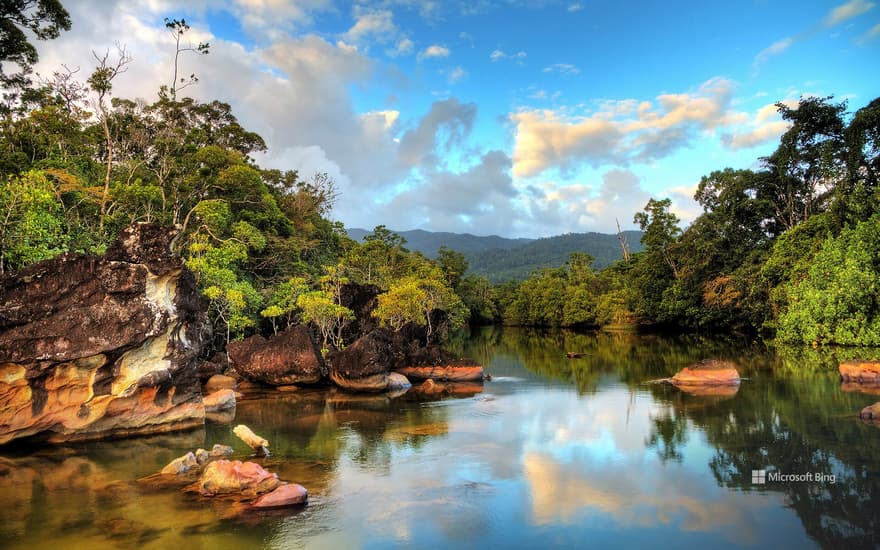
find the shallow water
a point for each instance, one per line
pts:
(553, 452)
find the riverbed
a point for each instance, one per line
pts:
(552, 452)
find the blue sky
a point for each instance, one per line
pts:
(499, 117)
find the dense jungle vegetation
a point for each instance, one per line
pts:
(792, 248)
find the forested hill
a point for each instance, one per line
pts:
(501, 259)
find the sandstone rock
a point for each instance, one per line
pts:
(252, 440)
(236, 477)
(864, 372)
(709, 372)
(287, 358)
(202, 456)
(220, 400)
(362, 300)
(181, 465)
(94, 347)
(397, 381)
(290, 494)
(221, 451)
(871, 412)
(452, 373)
(364, 364)
(219, 382)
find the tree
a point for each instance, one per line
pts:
(101, 81)
(30, 221)
(453, 265)
(177, 28)
(44, 18)
(415, 299)
(319, 308)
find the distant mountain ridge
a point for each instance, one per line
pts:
(501, 259)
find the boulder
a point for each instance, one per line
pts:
(364, 365)
(221, 451)
(863, 372)
(101, 346)
(289, 494)
(290, 357)
(235, 477)
(452, 373)
(709, 372)
(219, 382)
(181, 465)
(871, 413)
(220, 400)
(397, 382)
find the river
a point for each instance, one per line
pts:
(553, 452)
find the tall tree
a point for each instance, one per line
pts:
(44, 18)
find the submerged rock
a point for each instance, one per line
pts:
(871, 413)
(289, 494)
(219, 382)
(710, 372)
(863, 372)
(452, 373)
(100, 346)
(287, 358)
(236, 477)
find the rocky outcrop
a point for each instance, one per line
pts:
(220, 400)
(287, 358)
(94, 347)
(364, 365)
(235, 477)
(862, 372)
(706, 373)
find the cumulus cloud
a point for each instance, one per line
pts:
(404, 46)
(434, 51)
(620, 131)
(445, 126)
(575, 7)
(456, 74)
(872, 34)
(498, 55)
(372, 25)
(765, 126)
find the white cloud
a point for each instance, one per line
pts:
(372, 25)
(434, 51)
(774, 49)
(845, 12)
(498, 55)
(404, 46)
(562, 68)
(620, 132)
(456, 75)
(765, 126)
(872, 34)
(575, 7)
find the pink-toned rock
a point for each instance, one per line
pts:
(220, 400)
(709, 372)
(236, 477)
(289, 494)
(864, 372)
(452, 373)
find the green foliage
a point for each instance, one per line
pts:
(414, 300)
(839, 300)
(318, 307)
(30, 221)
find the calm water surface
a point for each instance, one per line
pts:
(553, 452)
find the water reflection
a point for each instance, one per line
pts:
(552, 452)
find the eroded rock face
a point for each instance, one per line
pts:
(863, 372)
(452, 373)
(94, 347)
(364, 365)
(287, 358)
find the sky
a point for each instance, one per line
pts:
(510, 117)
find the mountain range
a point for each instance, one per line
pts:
(501, 259)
